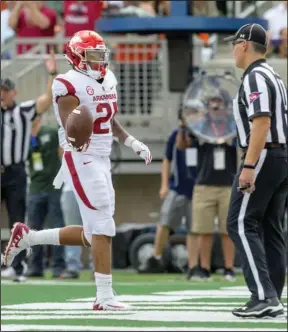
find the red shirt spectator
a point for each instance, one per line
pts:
(80, 15)
(32, 19)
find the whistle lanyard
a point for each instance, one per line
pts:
(217, 132)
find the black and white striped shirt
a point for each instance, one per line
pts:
(16, 126)
(262, 92)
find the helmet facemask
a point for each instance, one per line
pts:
(96, 61)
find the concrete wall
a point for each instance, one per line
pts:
(137, 199)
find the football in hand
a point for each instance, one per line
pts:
(79, 126)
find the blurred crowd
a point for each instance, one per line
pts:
(50, 18)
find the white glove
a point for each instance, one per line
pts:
(139, 148)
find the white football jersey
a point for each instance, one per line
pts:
(101, 100)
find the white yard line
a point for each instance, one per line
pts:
(19, 327)
(150, 316)
(39, 282)
(132, 310)
(91, 299)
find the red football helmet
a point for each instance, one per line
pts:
(87, 53)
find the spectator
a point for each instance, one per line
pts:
(32, 19)
(277, 19)
(6, 31)
(215, 173)
(16, 122)
(162, 7)
(148, 7)
(278, 48)
(204, 8)
(3, 5)
(57, 6)
(112, 8)
(43, 199)
(138, 8)
(80, 15)
(72, 216)
(176, 191)
(222, 7)
(283, 49)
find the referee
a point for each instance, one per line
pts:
(16, 123)
(255, 218)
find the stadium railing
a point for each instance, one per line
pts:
(139, 63)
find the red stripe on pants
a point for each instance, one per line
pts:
(76, 181)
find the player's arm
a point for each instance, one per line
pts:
(139, 148)
(119, 131)
(64, 94)
(66, 104)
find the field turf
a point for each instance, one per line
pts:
(158, 303)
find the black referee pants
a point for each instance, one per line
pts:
(13, 192)
(256, 225)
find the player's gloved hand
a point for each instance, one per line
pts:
(139, 148)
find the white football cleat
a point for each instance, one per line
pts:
(110, 304)
(18, 242)
(9, 272)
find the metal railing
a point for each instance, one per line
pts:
(139, 63)
(243, 10)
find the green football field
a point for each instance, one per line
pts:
(158, 303)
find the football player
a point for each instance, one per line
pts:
(87, 170)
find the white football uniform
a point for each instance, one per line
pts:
(88, 173)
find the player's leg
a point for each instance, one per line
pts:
(102, 232)
(22, 237)
(92, 185)
(102, 250)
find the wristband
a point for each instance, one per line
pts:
(129, 140)
(54, 73)
(249, 166)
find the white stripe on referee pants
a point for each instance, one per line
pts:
(241, 230)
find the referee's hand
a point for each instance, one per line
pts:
(247, 179)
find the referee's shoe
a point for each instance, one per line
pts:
(254, 308)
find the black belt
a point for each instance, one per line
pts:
(270, 146)
(11, 167)
(275, 145)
